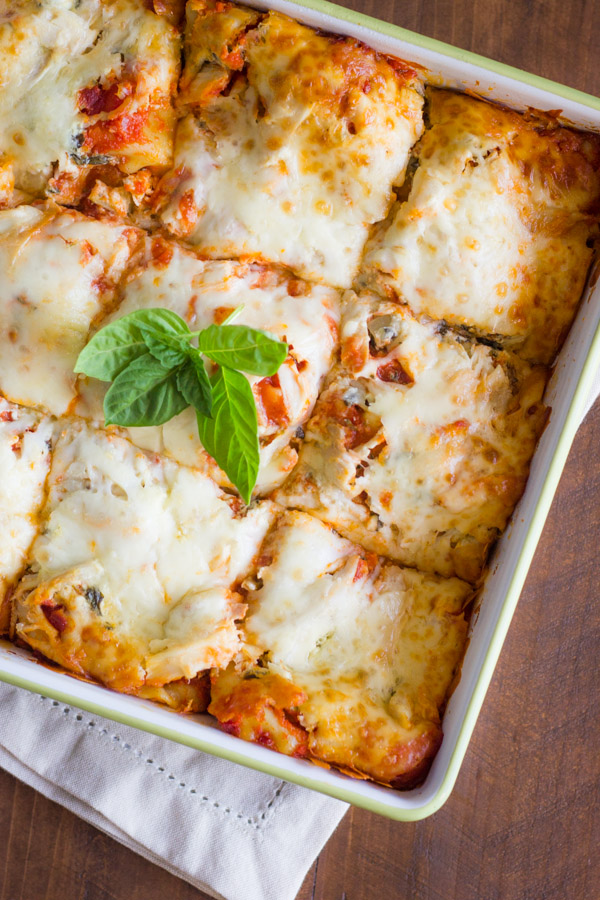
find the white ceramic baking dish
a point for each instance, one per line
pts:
(566, 395)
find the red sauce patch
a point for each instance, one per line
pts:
(7, 415)
(365, 566)
(402, 68)
(394, 373)
(188, 211)
(118, 133)
(358, 426)
(162, 252)
(55, 616)
(231, 728)
(234, 59)
(272, 404)
(265, 740)
(95, 100)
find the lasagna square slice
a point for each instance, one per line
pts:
(292, 144)
(88, 81)
(25, 443)
(419, 446)
(58, 270)
(347, 658)
(494, 235)
(131, 580)
(205, 292)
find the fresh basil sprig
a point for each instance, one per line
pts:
(157, 372)
(231, 434)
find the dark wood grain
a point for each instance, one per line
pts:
(523, 821)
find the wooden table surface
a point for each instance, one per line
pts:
(523, 821)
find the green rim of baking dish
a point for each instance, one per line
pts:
(542, 507)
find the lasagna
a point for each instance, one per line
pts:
(58, 271)
(291, 143)
(131, 578)
(420, 443)
(360, 679)
(206, 292)
(495, 233)
(421, 252)
(84, 82)
(25, 443)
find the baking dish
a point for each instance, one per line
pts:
(567, 394)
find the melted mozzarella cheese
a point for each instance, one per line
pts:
(372, 649)
(204, 292)
(52, 50)
(24, 462)
(297, 160)
(420, 453)
(494, 232)
(57, 270)
(133, 570)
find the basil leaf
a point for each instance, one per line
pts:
(111, 350)
(242, 348)
(145, 393)
(170, 350)
(115, 346)
(194, 384)
(166, 335)
(161, 320)
(231, 436)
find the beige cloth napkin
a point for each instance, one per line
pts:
(231, 832)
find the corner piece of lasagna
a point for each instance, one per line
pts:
(88, 82)
(203, 292)
(131, 580)
(347, 658)
(25, 443)
(292, 142)
(495, 232)
(58, 271)
(419, 446)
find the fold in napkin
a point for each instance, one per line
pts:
(233, 833)
(229, 831)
